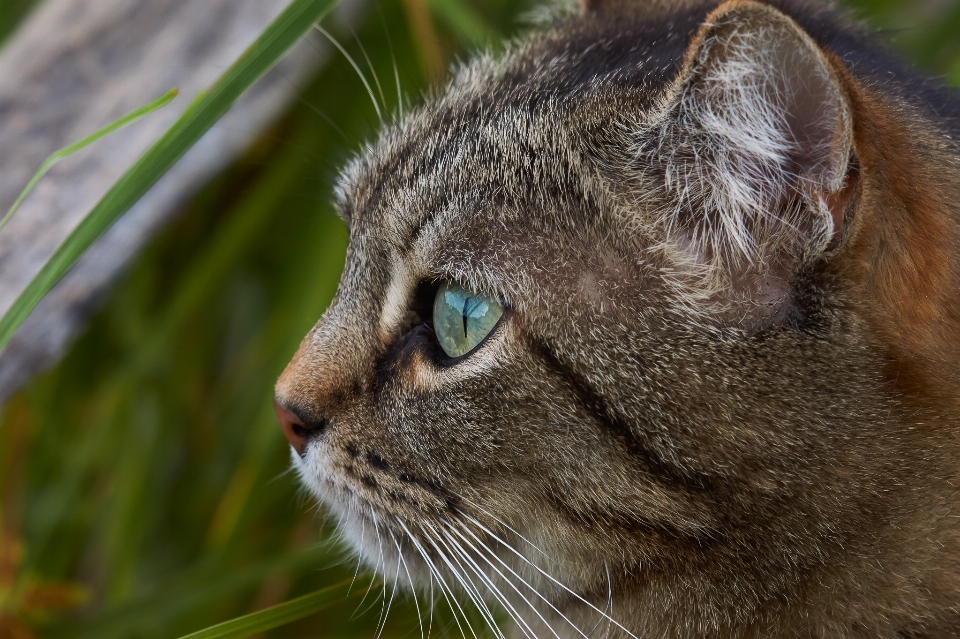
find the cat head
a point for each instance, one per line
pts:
(672, 390)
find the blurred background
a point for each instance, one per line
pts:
(144, 489)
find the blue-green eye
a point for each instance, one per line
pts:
(462, 318)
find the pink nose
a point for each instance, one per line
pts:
(294, 429)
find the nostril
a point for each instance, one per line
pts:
(297, 431)
(308, 430)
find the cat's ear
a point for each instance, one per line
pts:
(753, 147)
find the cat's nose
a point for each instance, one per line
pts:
(297, 431)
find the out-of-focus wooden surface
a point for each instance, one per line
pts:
(76, 65)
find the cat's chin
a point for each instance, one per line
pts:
(370, 536)
(439, 555)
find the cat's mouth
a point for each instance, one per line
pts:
(470, 564)
(453, 550)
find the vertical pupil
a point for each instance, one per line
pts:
(463, 318)
(470, 304)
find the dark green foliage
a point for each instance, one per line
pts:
(145, 477)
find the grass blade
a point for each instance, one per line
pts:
(205, 110)
(58, 155)
(284, 613)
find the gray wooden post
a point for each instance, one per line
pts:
(76, 65)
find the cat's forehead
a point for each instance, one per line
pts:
(517, 135)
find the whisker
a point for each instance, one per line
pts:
(512, 585)
(363, 534)
(281, 475)
(540, 570)
(440, 581)
(458, 577)
(373, 72)
(472, 591)
(393, 59)
(382, 569)
(495, 591)
(413, 588)
(356, 68)
(609, 605)
(393, 594)
(373, 519)
(606, 568)
(433, 604)
(327, 119)
(501, 522)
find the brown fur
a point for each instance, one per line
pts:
(723, 400)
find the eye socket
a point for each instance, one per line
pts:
(462, 318)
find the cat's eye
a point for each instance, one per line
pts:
(462, 318)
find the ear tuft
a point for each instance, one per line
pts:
(753, 146)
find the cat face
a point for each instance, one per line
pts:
(681, 406)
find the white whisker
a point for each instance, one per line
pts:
(413, 589)
(433, 604)
(386, 612)
(472, 591)
(373, 72)
(512, 585)
(356, 68)
(606, 568)
(501, 522)
(363, 534)
(539, 570)
(393, 59)
(382, 569)
(504, 601)
(440, 582)
(456, 574)
(363, 523)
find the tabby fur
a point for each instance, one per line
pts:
(724, 398)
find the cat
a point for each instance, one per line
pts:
(650, 327)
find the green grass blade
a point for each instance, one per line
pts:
(205, 110)
(202, 586)
(284, 613)
(66, 151)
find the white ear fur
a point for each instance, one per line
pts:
(752, 147)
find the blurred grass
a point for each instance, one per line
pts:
(143, 483)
